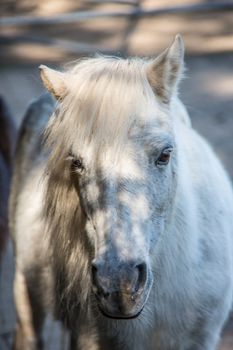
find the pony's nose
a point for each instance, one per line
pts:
(127, 278)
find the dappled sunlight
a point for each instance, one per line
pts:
(221, 85)
(94, 190)
(128, 168)
(138, 206)
(118, 210)
(35, 52)
(203, 32)
(56, 6)
(221, 44)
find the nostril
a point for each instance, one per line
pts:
(142, 276)
(94, 268)
(98, 286)
(106, 295)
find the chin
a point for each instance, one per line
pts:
(120, 315)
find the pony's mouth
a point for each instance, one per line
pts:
(118, 315)
(120, 305)
(122, 309)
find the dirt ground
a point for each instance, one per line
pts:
(207, 89)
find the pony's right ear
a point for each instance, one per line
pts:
(165, 72)
(54, 81)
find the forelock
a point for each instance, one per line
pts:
(106, 95)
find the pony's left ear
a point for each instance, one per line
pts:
(166, 70)
(54, 81)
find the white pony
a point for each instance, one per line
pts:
(123, 225)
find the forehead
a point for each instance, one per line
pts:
(111, 108)
(127, 159)
(111, 143)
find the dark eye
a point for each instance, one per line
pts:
(76, 163)
(164, 157)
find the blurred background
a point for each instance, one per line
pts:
(55, 32)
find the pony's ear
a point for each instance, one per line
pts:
(54, 81)
(165, 71)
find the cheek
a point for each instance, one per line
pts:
(92, 192)
(161, 190)
(88, 193)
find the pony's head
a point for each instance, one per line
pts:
(112, 170)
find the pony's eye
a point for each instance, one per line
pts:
(76, 163)
(164, 157)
